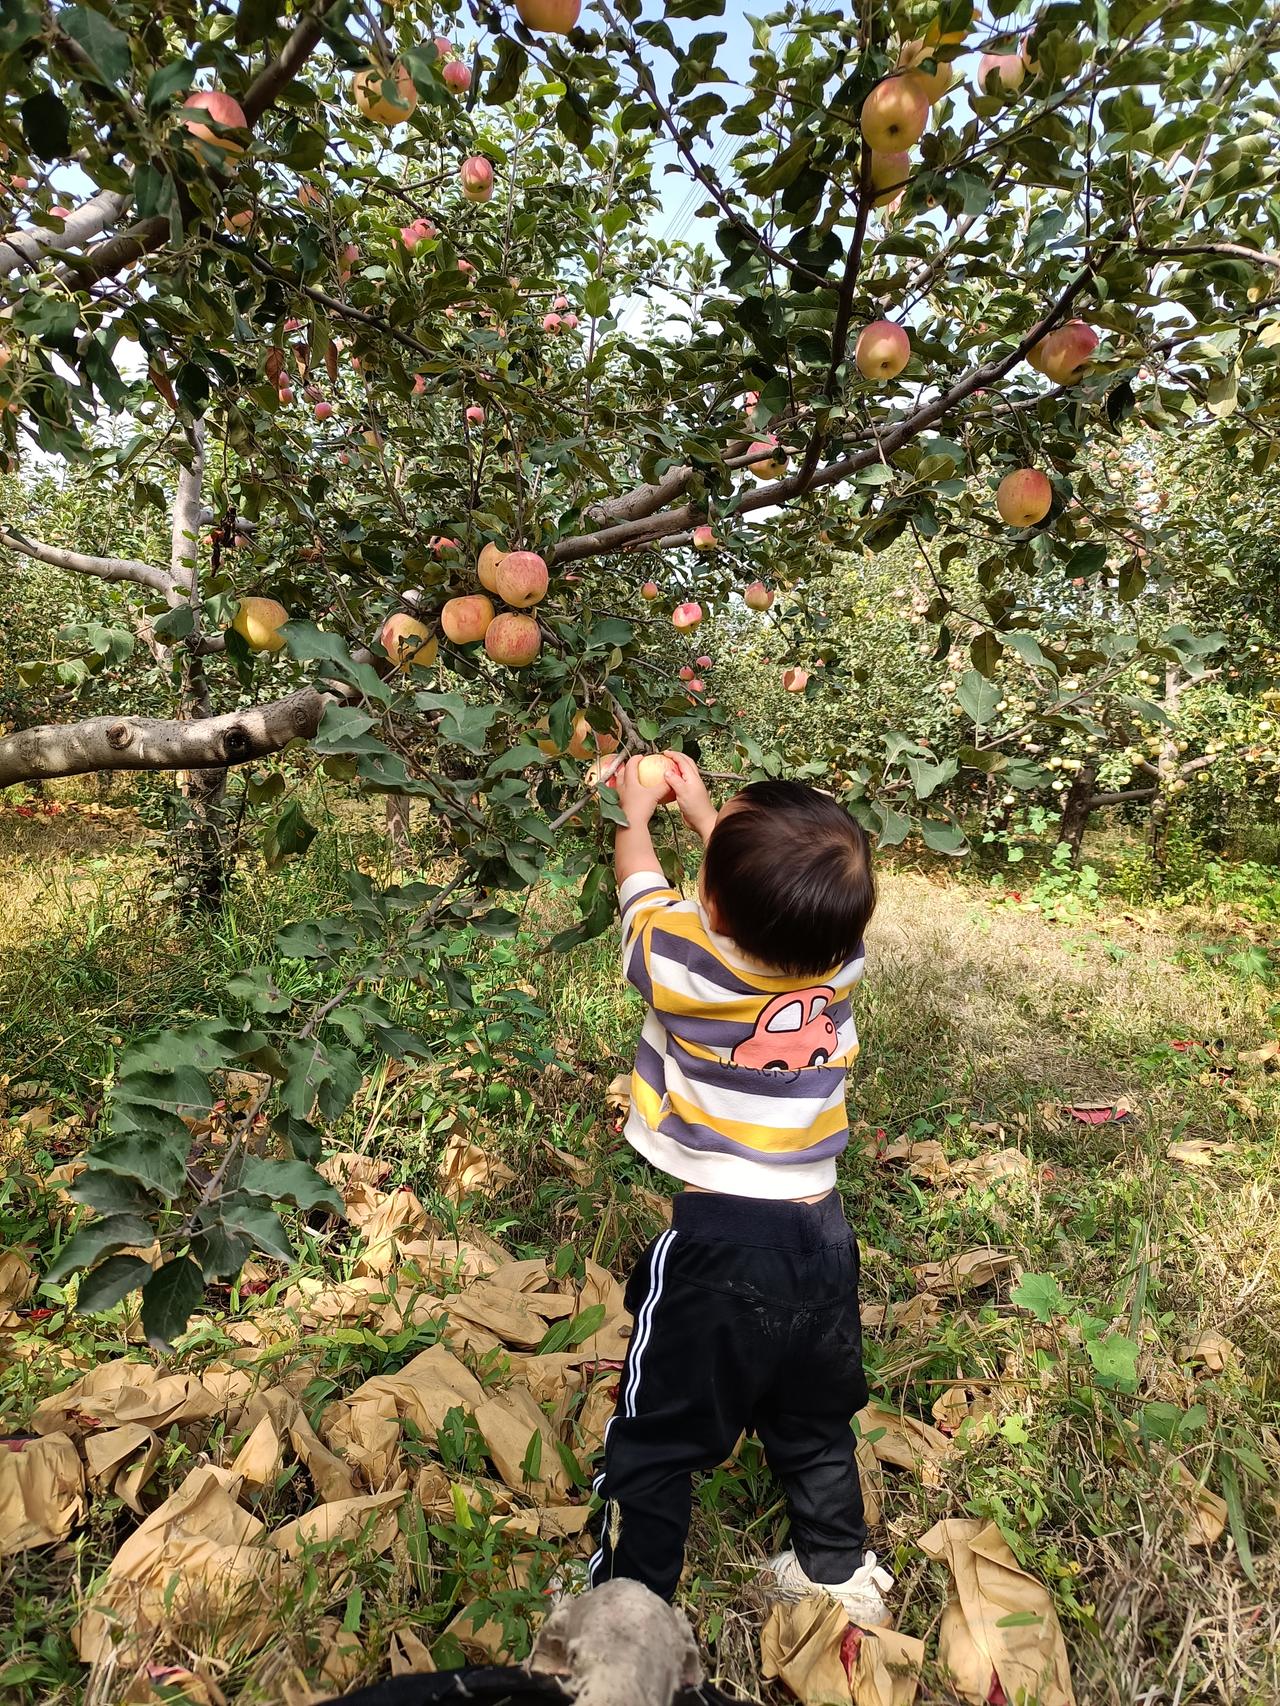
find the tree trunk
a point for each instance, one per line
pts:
(1166, 770)
(203, 852)
(1076, 807)
(398, 827)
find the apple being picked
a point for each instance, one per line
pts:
(651, 772)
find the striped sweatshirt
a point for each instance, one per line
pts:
(739, 1081)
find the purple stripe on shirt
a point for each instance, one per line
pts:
(699, 961)
(651, 1068)
(655, 887)
(636, 971)
(799, 1084)
(703, 1138)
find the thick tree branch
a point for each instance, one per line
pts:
(157, 743)
(76, 562)
(655, 529)
(185, 534)
(1234, 251)
(21, 250)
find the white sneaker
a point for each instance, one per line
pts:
(862, 1595)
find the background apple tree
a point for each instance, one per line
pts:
(323, 304)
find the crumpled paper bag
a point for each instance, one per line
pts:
(904, 1442)
(365, 1426)
(992, 1167)
(965, 1272)
(260, 1459)
(448, 1261)
(390, 1220)
(118, 1392)
(610, 1341)
(800, 1646)
(466, 1168)
(991, 1589)
(369, 1520)
(121, 1461)
(509, 1422)
(347, 1172)
(1211, 1349)
(885, 1667)
(17, 1282)
(42, 1494)
(330, 1476)
(410, 1655)
(199, 1559)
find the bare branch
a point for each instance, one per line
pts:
(21, 250)
(76, 562)
(1234, 251)
(185, 535)
(159, 743)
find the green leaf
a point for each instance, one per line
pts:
(943, 837)
(109, 1282)
(978, 696)
(46, 125)
(105, 47)
(259, 1225)
(985, 650)
(289, 1181)
(109, 1193)
(1042, 1295)
(1114, 1357)
(169, 1299)
(290, 835)
(101, 1237)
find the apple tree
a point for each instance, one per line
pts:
(368, 303)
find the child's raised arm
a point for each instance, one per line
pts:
(685, 782)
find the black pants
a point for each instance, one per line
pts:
(746, 1317)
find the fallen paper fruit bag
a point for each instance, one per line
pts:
(41, 1492)
(800, 1647)
(883, 1666)
(1000, 1622)
(118, 1392)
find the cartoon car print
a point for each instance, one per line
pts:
(794, 1030)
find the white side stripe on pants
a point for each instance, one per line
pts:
(644, 1324)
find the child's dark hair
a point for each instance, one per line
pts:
(789, 873)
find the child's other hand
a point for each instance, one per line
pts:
(637, 800)
(685, 782)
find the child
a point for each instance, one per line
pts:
(746, 1310)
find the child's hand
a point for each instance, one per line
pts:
(637, 799)
(691, 794)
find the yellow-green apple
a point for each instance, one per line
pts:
(487, 565)
(550, 17)
(757, 596)
(1024, 497)
(704, 538)
(649, 590)
(477, 178)
(651, 772)
(686, 615)
(466, 619)
(258, 622)
(769, 459)
(894, 114)
(585, 740)
(513, 640)
(1066, 353)
(933, 84)
(407, 641)
(882, 350)
(999, 72)
(225, 113)
(521, 579)
(385, 97)
(795, 680)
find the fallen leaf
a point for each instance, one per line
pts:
(42, 1493)
(965, 1272)
(1003, 1614)
(1208, 1347)
(800, 1646)
(1098, 1113)
(1199, 1152)
(924, 1157)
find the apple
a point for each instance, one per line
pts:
(551, 17)
(585, 740)
(487, 565)
(407, 641)
(241, 221)
(1024, 497)
(521, 579)
(769, 459)
(933, 84)
(600, 774)
(1000, 73)
(475, 415)
(466, 620)
(384, 97)
(457, 76)
(223, 113)
(416, 232)
(551, 322)
(476, 175)
(757, 596)
(513, 640)
(685, 672)
(795, 680)
(649, 590)
(697, 685)
(322, 411)
(1066, 353)
(704, 538)
(285, 394)
(933, 34)
(651, 772)
(686, 615)
(419, 384)
(441, 542)
(703, 662)
(258, 622)
(889, 172)
(569, 322)
(309, 196)
(560, 304)
(882, 350)
(894, 114)
(464, 265)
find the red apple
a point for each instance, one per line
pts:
(685, 672)
(651, 772)
(686, 615)
(322, 411)
(475, 415)
(1024, 497)
(703, 662)
(882, 351)
(795, 680)
(569, 322)
(1065, 354)
(466, 620)
(476, 175)
(513, 640)
(551, 322)
(407, 641)
(757, 596)
(521, 579)
(457, 76)
(419, 384)
(1000, 73)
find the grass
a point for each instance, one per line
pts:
(982, 1018)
